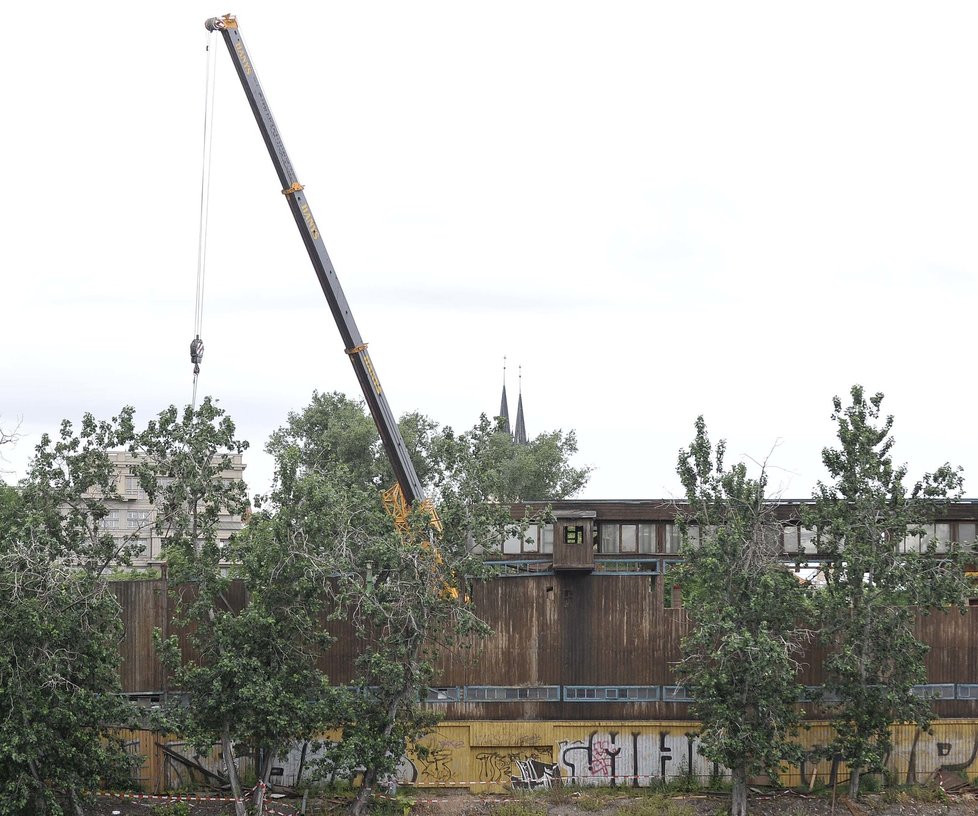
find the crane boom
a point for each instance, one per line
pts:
(356, 349)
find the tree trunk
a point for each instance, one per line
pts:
(359, 806)
(370, 772)
(265, 773)
(738, 796)
(40, 793)
(302, 762)
(854, 774)
(228, 753)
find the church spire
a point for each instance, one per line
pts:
(519, 435)
(504, 405)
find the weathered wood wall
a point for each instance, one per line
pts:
(555, 630)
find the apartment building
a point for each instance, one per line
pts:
(132, 513)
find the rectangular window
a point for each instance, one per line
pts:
(533, 540)
(136, 519)
(111, 521)
(934, 691)
(673, 539)
(609, 538)
(675, 694)
(145, 547)
(917, 538)
(513, 545)
(547, 539)
(791, 539)
(966, 532)
(574, 535)
(511, 693)
(629, 538)
(646, 538)
(806, 541)
(132, 486)
(451, 694)
(600, 694)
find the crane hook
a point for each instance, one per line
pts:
(196, 353)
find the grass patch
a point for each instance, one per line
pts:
(657, 805)
(521, 808)
(906, 794)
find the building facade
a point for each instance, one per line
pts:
(132, 514)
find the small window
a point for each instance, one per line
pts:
(646, 538)
(806, 541)
(111, 521)
(791, 539)
(676, 694)
(598, 694)
(513, 545)
(934, 691)
(609, 538)
(547, 539)
(511, 693)
(629, 538)
(966, 532)
(574, 535)
(136, 519)
(674, 539)
(132, 486)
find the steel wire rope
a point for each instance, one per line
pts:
(197, 345)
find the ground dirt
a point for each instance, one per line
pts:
(576, 802)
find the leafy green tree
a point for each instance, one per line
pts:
(537, 471)
(873, 587)
(61, 626)
(405, 594)
(740, 657)
(250, 679)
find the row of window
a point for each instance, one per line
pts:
(135, 519)
(664, 537)
(573, 694)
(650, 694)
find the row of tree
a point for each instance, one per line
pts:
(318, 548)
(751, 615)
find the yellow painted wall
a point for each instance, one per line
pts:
(499, 755)
(494, 755)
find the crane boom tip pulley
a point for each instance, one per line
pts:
(220, 23)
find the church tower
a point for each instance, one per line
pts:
(519, 435)
(504, 405)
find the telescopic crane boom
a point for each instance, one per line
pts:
(408, 490)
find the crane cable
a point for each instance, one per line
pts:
(197, 345)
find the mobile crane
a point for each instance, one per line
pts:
(401, 497)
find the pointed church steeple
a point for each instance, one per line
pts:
(504, 405)
(519, 435)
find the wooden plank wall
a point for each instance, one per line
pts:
(556, 630)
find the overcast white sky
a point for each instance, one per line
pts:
(659, 209)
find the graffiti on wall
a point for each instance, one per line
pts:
(534, 774)
(634, 757)
(499, 765)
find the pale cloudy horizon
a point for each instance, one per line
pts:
(659, 210)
